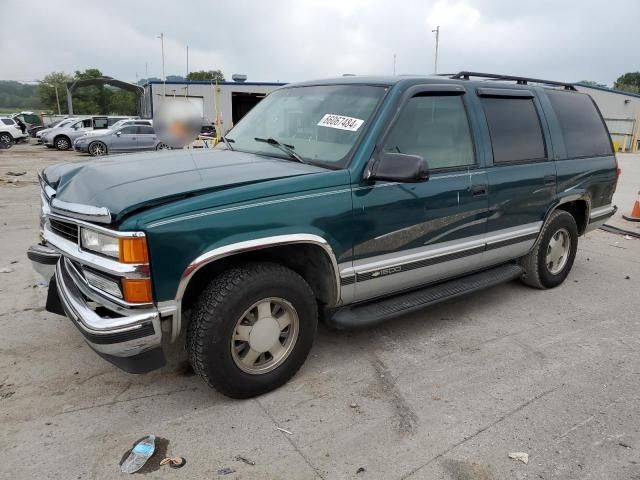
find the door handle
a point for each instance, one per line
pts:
(478, 190)
(549, 179)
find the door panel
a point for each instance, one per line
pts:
(127, 140)
(411, 234)
(146, 137)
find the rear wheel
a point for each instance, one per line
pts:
(551, 259)
(97, 149)
(162, 146)
(252, 329)
(62, 143)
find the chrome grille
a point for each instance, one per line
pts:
(66, 230)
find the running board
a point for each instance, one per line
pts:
(371, 313)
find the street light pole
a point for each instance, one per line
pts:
(164, 79)
(435, 62)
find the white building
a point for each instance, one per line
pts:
(229, 100)
(621, 111)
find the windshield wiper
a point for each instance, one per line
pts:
(288, 149)
(227, 142)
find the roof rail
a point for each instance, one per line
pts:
(519, 80)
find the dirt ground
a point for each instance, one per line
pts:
(446, 393)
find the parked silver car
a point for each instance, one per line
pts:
(127, 138)
(62, 137)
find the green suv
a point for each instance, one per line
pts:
(355, 199)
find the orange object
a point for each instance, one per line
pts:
(134, 250)
(137, 290)
(634, 216)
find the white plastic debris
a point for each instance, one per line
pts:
(520, 456)
(285, 431)
(139, 455)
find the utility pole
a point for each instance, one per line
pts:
(394, 64)
(187, 62)
(146, 71)
(164, 79)
(435, 62)
(55, 85)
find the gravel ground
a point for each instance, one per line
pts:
(446, 393)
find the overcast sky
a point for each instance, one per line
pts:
(290, 40)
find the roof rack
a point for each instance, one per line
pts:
(519, 80)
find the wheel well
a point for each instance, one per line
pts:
(61, 135)
(310, 261)
(578, 209)
(7, 133)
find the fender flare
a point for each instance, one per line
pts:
(244, 247)
(558, 201)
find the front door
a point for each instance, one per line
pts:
(411, 234)
(126, 139)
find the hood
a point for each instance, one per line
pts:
(125, 183)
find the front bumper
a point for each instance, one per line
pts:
(83, 147)
(129, 338)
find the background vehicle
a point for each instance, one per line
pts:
(59, 123)
(362, 197)
(10, 132)
(63, 136)
(128, 136)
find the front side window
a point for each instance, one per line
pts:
(435, 128)
(584, 132)
(129, 130)
(320, 123)
(515, 130)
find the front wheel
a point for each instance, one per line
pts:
(62, 143)
(97, 149)
(162, 146)
(252, 329)
(551, 259)
(6, 139)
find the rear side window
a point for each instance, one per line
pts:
(514, 126)
(437, 129)
(584, 132)
(8, 121)
(145, 130)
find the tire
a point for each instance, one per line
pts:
(62, 143)
(227, 305)
(162, 146)
(97, 149)
(559, 230)
(6, 138)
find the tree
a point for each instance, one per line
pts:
(629, 82)
(175, 78)
(92, 99)
(122, 102)
(211, 75)
(47, 91)
(592, 83)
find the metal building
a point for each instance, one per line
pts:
(621, 111)
(223, 104)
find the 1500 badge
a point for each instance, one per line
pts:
(386, 271)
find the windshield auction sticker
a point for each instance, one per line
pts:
(341, 122)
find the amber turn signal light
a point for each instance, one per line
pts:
(134, 250)
(137, 290)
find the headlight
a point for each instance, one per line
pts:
(126, 250)
(100, 243)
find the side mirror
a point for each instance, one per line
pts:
(398, 167)
(118, 133)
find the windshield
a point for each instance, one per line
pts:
(320, 123)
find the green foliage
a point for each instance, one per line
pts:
(629, 82)
(211, 75)
(87, 100)
(592, 83)
(15, 96)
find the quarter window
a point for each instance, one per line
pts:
(584, 132)
(515, 130)
(436, 128)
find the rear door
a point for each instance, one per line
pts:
(411, 234)
(522, 177)
(146, 137)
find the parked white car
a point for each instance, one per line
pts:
(10, 131)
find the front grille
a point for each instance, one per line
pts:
(66, 230)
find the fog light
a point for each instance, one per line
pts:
(137, 290)
(102, 283)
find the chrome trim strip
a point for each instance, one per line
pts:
(80, 211)
(73, 251)
(243, 247)
(96, 228)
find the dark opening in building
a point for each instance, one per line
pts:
(242, 102)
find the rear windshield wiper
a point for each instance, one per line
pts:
(288, 149)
